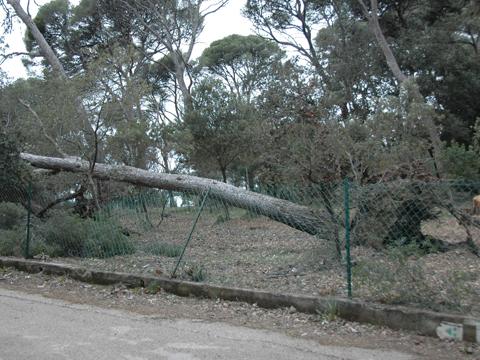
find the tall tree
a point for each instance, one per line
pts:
(176, 25)
(243, 62)
(218, 128)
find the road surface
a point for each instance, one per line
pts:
(37, 328)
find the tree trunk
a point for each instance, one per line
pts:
(45, 49)
(303, 218)
(374, 25)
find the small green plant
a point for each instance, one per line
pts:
(330, 313)
(152, 288)
(196, 273)
(165, 249)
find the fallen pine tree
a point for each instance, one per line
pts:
(303, 218)
(311, 220)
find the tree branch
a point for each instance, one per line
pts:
(42, 127)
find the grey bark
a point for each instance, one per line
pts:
(374, 25)
(49, 55)
(303, 218)
(45, 48)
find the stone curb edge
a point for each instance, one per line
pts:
(422, 322)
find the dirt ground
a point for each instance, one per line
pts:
(262, 254)
(324, 328)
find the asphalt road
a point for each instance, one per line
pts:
(37, 328)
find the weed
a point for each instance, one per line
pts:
(196, 273)
(165, 249)
(330, 313)
(152, 288)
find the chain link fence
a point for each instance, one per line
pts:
(401, 242)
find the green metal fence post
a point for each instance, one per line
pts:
(29, 215)
(346, 188)
(202, 205)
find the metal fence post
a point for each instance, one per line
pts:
(346, 190)
(202, 205)
(29, 216)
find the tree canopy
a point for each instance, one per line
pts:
(310, 97)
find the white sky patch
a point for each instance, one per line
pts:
(226, 21)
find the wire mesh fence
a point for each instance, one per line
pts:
(402, 242)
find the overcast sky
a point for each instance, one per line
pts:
(225, 22)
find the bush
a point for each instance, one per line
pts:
(11, 242)
(392, 213)
(461, 162)
(105, 239)
(11, 216)
(65, 234)
(69, 235)
(40, 247)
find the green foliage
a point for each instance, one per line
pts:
(330, 312)
(11, 216)
(392, 214)
(65, 233)
(12, 171)
(52, 21)
(153, 288)
(11, 242)
(237, 48)
(53, 102)
(69, 235)
(218, 129)
(38, 246)
(244, 62)
(164, 249)
(461, 162)
(196, 272)
(105, 239)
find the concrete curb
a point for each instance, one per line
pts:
(422, 322)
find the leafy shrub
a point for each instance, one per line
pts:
(11, 242)
(11, 216)
(64, 233)
(165, 249)
(69, 235)
(105, 239)
(392, 213)
(40, 247)
(461, 162)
